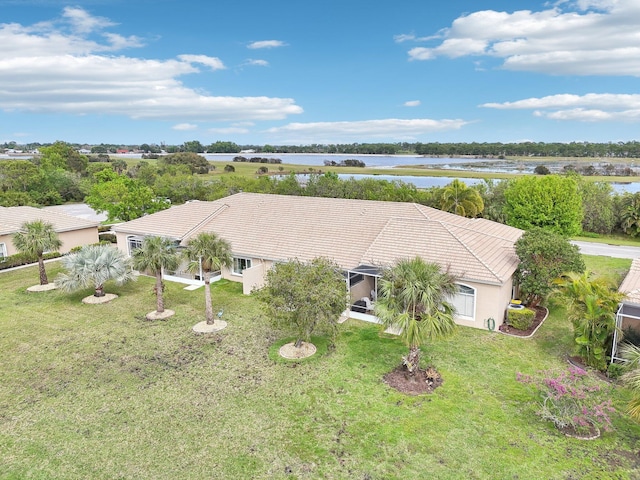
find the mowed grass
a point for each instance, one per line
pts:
(96, 391)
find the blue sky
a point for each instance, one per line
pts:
(301, 72)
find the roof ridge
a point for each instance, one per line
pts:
(445, 225)
(375, 239)
(205, 220)
(468, 249)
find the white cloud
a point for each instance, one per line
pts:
(213, 63)
(184, 126)
(83, 22)
(256, 63)
(410, 37)
(592, 107)
(583, 37)
(366, 130)
(49, 68)
(412, 103)
(266, 44)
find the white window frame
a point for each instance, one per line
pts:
(462, 298)
(134, 239)
(3, 251)
(236, 263)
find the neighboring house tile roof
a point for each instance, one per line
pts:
(11, 219)
(351, 232)
(631, 283)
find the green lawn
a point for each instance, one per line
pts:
(96, 391)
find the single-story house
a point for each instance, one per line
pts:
(359, 235)
(628, 314)
(72, 231)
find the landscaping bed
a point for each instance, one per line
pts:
(540, 315)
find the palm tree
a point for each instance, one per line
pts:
(93, 266)
(630, 214)
(211, 253)
(415, 298)
(631, 353)
(591, 308)
(35, 238)
(156, 254)
(462, 200)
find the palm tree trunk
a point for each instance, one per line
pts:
(413, 361)
(43, 272)
(99, 291)
(159, 292)
(208, 309)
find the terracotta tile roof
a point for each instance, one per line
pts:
(11, 218)
(631, 283)
(351, 232)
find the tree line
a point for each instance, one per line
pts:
(473, 149)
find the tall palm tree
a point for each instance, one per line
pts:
(631, 353)
(35, 238)
(156, 254)
(414, 298)
(462, 200)
(93, 266)
(211, 253)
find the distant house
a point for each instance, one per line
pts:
(122, 150)
(360, 236)
(72, 231)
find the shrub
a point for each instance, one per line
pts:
(572, 400)
(541, 170)
(521, 319)
(20, 259)
(229, 168)
(108, 237)
(615, 370)
(262, 170)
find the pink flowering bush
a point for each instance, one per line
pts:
(571, 399)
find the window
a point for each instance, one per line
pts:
(3, 251)
(355, 278)
(241, 264)
(133, 243)
(465, 301)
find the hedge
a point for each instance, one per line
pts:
(521, 319)
(20, 259)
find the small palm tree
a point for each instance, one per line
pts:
(211, 253)
(35, 238)
(415, 298)
(156, 254)
(462, 200)
(631, 353)
(93, 266)
(591, 308)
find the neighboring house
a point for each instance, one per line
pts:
(359, 235)
(628, 314)
(72, 231)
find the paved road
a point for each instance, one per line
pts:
(606, 250)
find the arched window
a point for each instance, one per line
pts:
(465, 301)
